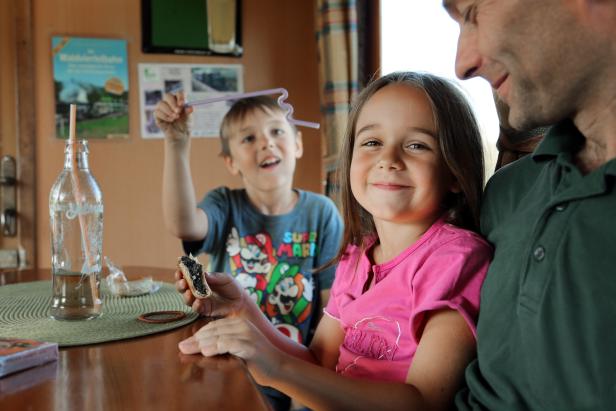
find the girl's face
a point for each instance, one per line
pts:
(397, 171)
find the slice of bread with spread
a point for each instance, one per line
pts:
(192, 270)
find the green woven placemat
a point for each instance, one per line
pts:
(24, 313)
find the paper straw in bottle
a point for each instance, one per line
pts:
(79, 199)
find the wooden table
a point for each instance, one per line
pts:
(145, 373)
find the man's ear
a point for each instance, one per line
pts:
(230, 164)
(299, 145)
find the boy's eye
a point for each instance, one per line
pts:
(277, 131)
(248, 139)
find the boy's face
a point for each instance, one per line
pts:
(264, 149)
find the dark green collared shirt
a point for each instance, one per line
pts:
(546, 337)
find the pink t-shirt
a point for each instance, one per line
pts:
(443, 269)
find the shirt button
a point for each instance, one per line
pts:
(560, 207)
(539, 253)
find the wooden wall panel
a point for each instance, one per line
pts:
(279, 51)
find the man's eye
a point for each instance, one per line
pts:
(469, 15)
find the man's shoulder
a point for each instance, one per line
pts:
(514, 177)
(509, 187)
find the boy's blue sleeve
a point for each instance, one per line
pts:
(216, 205)
(329, 245)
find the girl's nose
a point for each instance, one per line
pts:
(389, 159)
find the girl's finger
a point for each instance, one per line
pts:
(189, 346)
(228, 325)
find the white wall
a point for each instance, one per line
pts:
(419, 35)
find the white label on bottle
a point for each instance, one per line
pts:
(74, 210)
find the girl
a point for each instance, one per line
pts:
(401, 316)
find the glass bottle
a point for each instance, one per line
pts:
(76, 222)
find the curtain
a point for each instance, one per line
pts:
(337, 40)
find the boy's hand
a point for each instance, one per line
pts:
(227, 298)
(172, 117)
(241, 338)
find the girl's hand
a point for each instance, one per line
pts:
(172, 117)
(227, 298)
(241, 338)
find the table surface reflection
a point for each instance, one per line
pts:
(145, 373)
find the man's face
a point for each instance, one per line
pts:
(526, 50)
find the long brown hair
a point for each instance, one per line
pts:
(459, 142)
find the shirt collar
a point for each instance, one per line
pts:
(565, 139)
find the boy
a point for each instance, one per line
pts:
(268, 235)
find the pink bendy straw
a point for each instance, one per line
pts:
(284, 94)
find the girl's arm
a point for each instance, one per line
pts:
(245, 319)
(446, 347)
(180, 213)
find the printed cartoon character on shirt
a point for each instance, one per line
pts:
(289, 297)
(277, 287)
(252, 260)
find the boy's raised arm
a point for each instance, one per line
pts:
(180, 213)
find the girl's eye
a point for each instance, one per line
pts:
(416, 147)
(370, 143)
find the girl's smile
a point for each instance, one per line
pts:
(390, 186)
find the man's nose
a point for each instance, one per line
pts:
(468, 58)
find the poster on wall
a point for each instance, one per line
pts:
(197, 81)
(93, 74)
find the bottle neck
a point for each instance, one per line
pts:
(76, 155)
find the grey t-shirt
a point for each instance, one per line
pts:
(273, 256)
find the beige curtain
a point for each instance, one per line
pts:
(337, 38)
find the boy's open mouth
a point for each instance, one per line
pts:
(269, 162)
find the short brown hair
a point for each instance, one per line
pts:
(239, 110)
(459, 141)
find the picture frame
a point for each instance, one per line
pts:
(186, 28)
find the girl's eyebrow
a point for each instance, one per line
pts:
(422, 130)
(366, 128)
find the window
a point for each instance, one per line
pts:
(419, 35)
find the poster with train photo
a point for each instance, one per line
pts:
(93, 74)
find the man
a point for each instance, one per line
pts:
(547, 325)
(513, 144)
